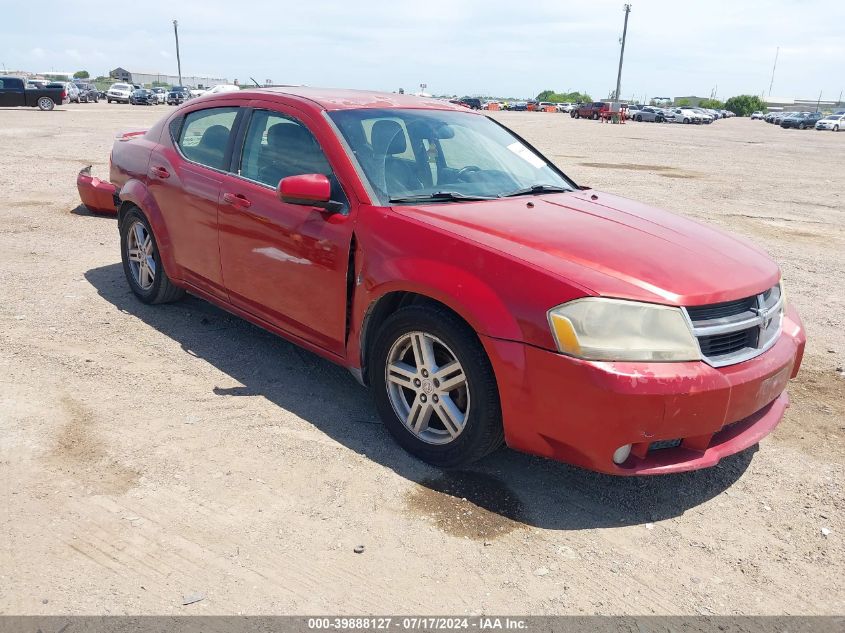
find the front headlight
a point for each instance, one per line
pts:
(595, 328)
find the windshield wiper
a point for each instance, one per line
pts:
(441, 196)
(535, 190)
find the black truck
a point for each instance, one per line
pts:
(13, 93)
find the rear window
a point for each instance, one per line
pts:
(204, 136)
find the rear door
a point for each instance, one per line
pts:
(185, 173)
(286, 263)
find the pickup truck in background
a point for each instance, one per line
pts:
(14, 93)
(589, 110)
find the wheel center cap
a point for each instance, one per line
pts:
(427, 386)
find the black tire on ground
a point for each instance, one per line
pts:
(577, 115)
(835, 128)
(686, 120)
(595, 116)
(46, 104)
(801, 126)
(162, 289)
(483, 432)
(639, 118)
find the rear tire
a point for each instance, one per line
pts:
(639, 118)
(835, 128)
(595, 116)
(46, 104)
(471, 406)
(134, 232)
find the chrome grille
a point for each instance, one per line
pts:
(734, 331)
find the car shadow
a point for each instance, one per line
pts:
(84, 211)
(520, 489)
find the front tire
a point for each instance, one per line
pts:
(46, 104)
(142, 261)
(434, 387)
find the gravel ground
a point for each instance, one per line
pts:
(153, 453)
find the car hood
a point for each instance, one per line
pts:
(610, 246)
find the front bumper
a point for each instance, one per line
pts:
(97, 195)
(580, 412)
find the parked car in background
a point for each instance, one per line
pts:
(178, 95)
(471, 102)
(222, 88)
(564, 107)
(197, 92)
(647, 113)
(160, 94)
(757, 115)
(518, 106)
(542, 105)
(69, 87)
(142, 96)
(15, 93)
(835, 122)
(88, 93)
(801, 120)
(686, 115)
(590, 110)
(119, 93)
(403, 270)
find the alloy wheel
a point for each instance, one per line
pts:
(427, 387)
(140, 252)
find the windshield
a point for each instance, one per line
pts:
(420, 153)
(120, 87)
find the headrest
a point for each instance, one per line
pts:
(215, 136)
(388, 137)
(289, 136)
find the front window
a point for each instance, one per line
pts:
(408, 154)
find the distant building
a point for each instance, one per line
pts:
(121, 74)
(163, 79)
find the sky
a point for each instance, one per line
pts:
(505, 48)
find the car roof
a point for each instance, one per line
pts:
(346, 99)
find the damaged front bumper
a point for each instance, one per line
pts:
(97, 195)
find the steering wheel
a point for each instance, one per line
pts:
(465, 171)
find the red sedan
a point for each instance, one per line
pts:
(481, 294)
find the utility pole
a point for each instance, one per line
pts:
(818, 103)
(178, 59)
(771, 83)
(622, 54)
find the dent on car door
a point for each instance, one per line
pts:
(285, 263)
(184, 176)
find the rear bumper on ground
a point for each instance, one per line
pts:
(580, 412)
(97, 195)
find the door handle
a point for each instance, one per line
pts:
(237, 200)
(159, 172)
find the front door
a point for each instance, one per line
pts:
(285, 263)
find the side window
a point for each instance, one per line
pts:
(277, 146)
(205, 135)
(1, 84)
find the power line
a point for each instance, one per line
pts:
(777, 52)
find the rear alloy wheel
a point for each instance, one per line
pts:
(434, 387)
(142, 261)
(639, 118)
(46, 104)
(801, 126)
(686, 120)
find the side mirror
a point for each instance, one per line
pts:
(310, 190)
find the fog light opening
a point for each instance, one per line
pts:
(621, 454)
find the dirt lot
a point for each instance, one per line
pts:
(148, 453)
